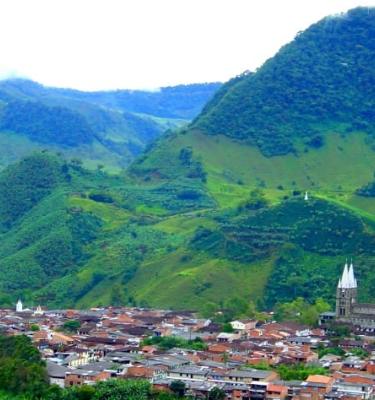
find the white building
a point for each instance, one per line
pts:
(19, 306)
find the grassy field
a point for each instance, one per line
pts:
(337, 169)
(113, 217)
(180, 280)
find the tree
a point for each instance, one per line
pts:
(83, 392)
(256, 200)
(178, 388)
(321, 305)
(21, 369)
(209, 310)
(228, 328)
(301, 311)
(322, 351)
(186, 155)
(236, 307)
(118, 297)
(216, 393)
(299, 371)
(71, 325)
(339, 330)
(122, 390)
(34, 328)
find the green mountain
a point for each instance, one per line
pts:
(303, 122)
(214, 215)
(325, 77)
(109, 128)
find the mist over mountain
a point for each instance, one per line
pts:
(108, 128)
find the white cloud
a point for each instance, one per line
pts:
(99, 44)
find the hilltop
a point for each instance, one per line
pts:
(109, 128)
(322, 81)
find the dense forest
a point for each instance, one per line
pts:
(176, 102)
(325, 76)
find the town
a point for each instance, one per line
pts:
(176, 349)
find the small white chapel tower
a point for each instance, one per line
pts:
(19, 306)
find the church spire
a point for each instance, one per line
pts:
(352, 280)
(344, 278)
(347, 280)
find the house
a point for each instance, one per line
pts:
(91, 373)
(244, 325)
(189, 373)
(258, 390)
(359, 390)
(276, 392)
(60, 338)
(218, 348)
(248, 376)
(141, 372)
(199, 390)
(56, 374)
(83, 377)
(316, 387)
(227, 337)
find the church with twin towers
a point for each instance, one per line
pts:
(348, 310)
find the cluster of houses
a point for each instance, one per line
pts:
(109, 343)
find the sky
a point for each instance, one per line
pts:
(146, 44)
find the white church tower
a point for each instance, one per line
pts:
(19, 306)
(346, 294)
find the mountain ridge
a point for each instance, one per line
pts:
(325, 75)
(91, 126)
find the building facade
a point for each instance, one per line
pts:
(348, 310)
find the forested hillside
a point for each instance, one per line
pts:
(302, 122)
(100, 128)
(324, 78)
(215, 215)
